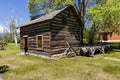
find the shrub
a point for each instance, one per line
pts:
(18, 38)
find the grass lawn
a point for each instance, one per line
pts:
(29, 67)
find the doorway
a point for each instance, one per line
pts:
(25, 44)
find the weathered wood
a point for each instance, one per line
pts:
(70, 49)
(90, 50)
(54, 32)
(36, 25)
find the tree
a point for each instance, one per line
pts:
(82, 4)
(13, 31)
(6, 34)
(108, 14)
(104, 15)
(37, 7)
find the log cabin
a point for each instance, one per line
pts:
(47, 34)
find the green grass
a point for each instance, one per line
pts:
(29, 67)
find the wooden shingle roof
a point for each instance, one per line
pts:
(48, 16)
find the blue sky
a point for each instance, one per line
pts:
(15, 8)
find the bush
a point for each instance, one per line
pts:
(10, 40)
(115, 45)
(18, 38)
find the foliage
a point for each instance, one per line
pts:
(18, 39)
(6, 34)
(29, 67)
(13, 31)
(7, 37)
(37, 7)
(9, 40)
(12, 26)
(107, 14)
(86, 34)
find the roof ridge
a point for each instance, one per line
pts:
(45, 17)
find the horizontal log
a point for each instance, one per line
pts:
(57, 19)
(56, 25)
(36, 28)
(64, 14)
(63, 44)
(32, 43)
(48, 43)
(71, 22)
(46, 37)
(56, 22)
(63, 27)
(64, 32)
(66, 11)
(32, 40)
(46, 40)
(36, 25)
(33, 37)
(46, 33)
(34, 32)
(71, 19)
(58, 51)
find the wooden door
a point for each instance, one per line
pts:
(26, 44)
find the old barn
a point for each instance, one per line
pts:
(47, 34)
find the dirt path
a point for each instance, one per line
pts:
(113, 59)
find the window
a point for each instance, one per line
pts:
(39, 41)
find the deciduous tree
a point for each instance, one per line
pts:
(12, 25)
(108, 14)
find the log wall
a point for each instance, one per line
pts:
(55, 32)
(61, 32)
(32, 31)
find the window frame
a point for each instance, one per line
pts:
(37, 41)
(25, 36)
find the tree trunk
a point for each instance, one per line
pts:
(91, 36)
(93, 32)
(15, 38)
(82, 13)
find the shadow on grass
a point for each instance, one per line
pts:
(4, 68)
(3, 49)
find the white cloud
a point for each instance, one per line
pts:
(2, 28)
